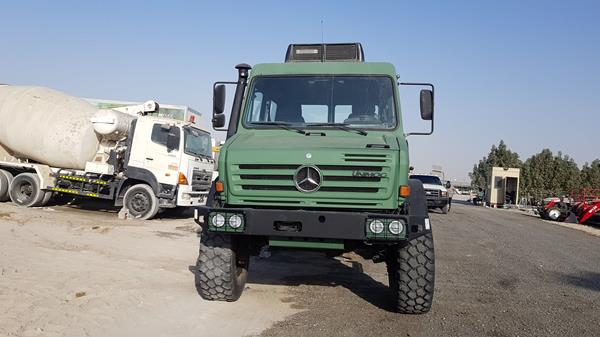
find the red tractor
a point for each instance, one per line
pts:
(556, 209)
(587, 207)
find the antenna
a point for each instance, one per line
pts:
(322, 40)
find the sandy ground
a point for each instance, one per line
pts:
(68, 272)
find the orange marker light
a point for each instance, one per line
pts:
(219, 187)
(405, 191)
(182, 179)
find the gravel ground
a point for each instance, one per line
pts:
(499, 273)
(77, 272)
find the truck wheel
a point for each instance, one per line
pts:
(445, 209)
(5, 179)
(141, 202)
(25, 190)
(222, 268)
(411, 273)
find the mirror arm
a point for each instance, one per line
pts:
(433, 118)
(214, 86)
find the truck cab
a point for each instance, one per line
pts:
(315, 157)
(174, 156)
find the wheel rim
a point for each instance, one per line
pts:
(139, 203)
(24, 192)
(554, 214)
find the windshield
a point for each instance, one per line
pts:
(431, 180)
(357, 101)
(197, 143)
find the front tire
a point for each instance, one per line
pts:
(411, 273)
(222, 267)
(141, 202)
(445, 209)
(25, 190)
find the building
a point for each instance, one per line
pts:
(503, 186)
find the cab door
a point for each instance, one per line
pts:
(163, 152)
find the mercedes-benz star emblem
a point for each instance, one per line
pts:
(308, 178)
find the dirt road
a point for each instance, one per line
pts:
(68, 272)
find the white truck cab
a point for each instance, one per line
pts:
(435, 191)
(176, 155)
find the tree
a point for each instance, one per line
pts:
(499, 156)
(590, 175)
(545, 174)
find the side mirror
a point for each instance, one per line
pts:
(218, 99)
(426, 105)
(218, 120)
(173, 139)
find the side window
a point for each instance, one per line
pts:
(160, 135)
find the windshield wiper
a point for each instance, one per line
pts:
(341, 126)
(282, 125)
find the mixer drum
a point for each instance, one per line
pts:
(47, 126)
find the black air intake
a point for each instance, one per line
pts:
(332, 52)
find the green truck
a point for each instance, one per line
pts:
(316, 158)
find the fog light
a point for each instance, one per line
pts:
(235, 221)
(218, 220)
(376, 227)
(395, 227)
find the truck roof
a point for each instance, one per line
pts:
(324, 68)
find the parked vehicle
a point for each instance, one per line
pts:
(435, 191)
(56, 143)
(556, 209)
(316, 158)
(586, 209)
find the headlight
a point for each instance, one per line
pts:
(376, 226)
(218, 220)
(235, 221)
(444, 194)
(395, 227)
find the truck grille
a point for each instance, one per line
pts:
(350, 176)
(201, 180)
(432, 193)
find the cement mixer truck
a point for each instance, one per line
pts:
(51, 143)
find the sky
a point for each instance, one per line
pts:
(527, 72)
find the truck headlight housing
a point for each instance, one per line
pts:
(444, 194)
(386, 228)
(226, 222)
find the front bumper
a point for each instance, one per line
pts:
(315, 223)
(189, 198)
(437, 201)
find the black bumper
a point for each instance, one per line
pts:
(315, 223)
(437, 201)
